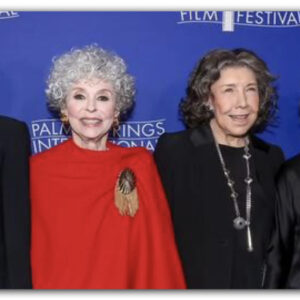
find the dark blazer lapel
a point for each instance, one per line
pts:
(206, 158)
(201, 135)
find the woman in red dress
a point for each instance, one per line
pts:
(100, 219)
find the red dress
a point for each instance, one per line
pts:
(79, 238)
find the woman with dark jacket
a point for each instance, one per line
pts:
(283, 267)
(219, 177)
(14, 205)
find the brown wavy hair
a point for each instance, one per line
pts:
(194, 107)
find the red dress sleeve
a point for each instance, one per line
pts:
(79, 238)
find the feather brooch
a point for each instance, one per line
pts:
(126, 198)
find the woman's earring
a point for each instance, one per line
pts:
(64, 118)
(208, 107)
(115, 126)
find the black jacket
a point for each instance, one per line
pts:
(14, 205)
(283, 269)
(202, 209)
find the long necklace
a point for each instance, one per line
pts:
(239, 222)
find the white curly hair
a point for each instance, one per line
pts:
(87, 63)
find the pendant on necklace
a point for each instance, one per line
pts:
(239, 223)
(250, 246)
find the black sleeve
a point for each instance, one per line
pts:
(277, 158)
(16, 207)
(282, 250)
(162, 159)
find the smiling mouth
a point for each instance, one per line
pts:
(242, 117)
(91, 121)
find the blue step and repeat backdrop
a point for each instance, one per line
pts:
(161, 49)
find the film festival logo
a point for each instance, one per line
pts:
(8, 15)
(47, 133)
(230, 19)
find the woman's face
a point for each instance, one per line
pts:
(235, 102)
(91, 110)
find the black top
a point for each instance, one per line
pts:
(234, 161)
(14, 205)
(283, 269)
(203, 213)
